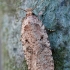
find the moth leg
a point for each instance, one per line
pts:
(51, 30)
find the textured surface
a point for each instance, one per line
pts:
(56, 16)
(35, 44)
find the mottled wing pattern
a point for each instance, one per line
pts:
(36, 45)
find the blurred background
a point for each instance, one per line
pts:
(55, 16)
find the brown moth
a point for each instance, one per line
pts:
(35, 43)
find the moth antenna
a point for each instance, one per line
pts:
(21, 9)
(25, 10)
(32, 9)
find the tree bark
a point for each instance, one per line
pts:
(56, 16)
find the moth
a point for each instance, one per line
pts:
(35, 43)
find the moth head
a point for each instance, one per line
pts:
(28, 11)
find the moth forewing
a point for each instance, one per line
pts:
(36, 45)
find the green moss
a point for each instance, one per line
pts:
(58, 55)
(25, 65)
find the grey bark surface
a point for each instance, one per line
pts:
(56, 16)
